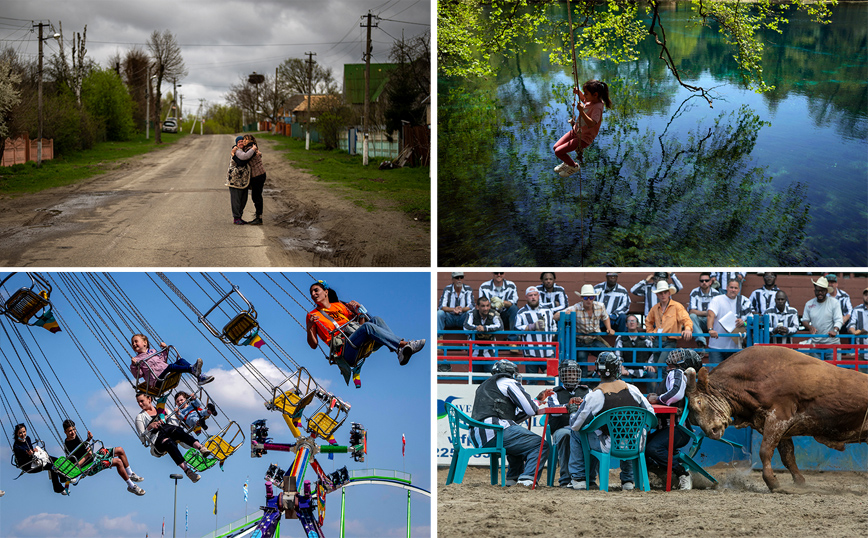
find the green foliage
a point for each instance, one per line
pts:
(223, 119)
(331, 123)
(471, 31)
(105, 97)
(9, 94)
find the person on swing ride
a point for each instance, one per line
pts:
(32, 458)
(163, 434)
(154, 367)
(330, 314)
(593, 95)
(105, 457)
(191, 411)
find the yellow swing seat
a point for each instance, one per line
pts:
(292, 402)
(24, 304)
(239, 327)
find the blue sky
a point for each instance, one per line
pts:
(393, 400)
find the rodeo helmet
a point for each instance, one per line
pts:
(609, 365)
(504, 366)
(570, 374)
(683, 359)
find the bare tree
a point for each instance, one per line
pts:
(243, 96)
(293, 76)
(134, 70)
(168, 63)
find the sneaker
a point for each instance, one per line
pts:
(135, 478)
(560, 167)
(212, 409)
(256, 222)
(413, 346)
(197, 368)
(205, 379)
(510, 482)
(65, 492)
(578, 484)
(239, 221)
(192, 475)
(137, 490)
(525, 483)
(204, 451)
(627, 486)
(201, 424)
(569, 170)
(685, 482)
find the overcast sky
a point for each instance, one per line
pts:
(222, 40)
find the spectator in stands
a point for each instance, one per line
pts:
(484, 321)
(843, 298)
(726, 315)
(668, 316)
(535, 318)
(550, 294)
(764, 298)
(720, 279)
(504, 300)
(590, 314)
(822, 315)
(629, 348)
(616, 299)
(859, 325)
(783, 320)
(645, 288)
(455, 302)
(698, 307)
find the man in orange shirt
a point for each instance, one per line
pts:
(331, 314)
(668, 316)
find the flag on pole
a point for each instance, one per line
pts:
(186, 518)
(403, 444)
(215, 501)
(245, 490)
(163, 532)
(47, 321)
(254, 341)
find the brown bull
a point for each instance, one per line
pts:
(781, 393)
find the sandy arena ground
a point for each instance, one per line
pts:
(831, 504)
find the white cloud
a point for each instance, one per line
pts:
(45, 524)
(122, 525)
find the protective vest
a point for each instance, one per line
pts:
(611, 400)
(563, 395)
(641, 356)
(490, 402)
(326, 319)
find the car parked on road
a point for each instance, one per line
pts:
(170, 125)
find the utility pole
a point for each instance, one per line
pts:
(367, 90)
(39, 97)
(310, 56)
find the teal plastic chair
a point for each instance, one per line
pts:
(696, 438)
(627, 427)
(461, 454)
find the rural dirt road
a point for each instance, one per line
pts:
(170, 208)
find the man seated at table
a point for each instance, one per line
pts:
(569, 394)
(502, 400)
(657, 450)
(610, 393)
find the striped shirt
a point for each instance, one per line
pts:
(859, 321)
(528, 316)
(617, 300)
(763, 299)
(513, 390)
(646, 290)
(699, 301)
(675, 387)
(723, 277)
(556, 299)
(452, 298)
(789, 318)
(507, 292)
(489, 324)
(844, 299)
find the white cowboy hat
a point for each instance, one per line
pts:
(822, 282)
(587, 291)
(662, 286)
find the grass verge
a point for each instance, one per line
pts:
(74, 167)
(409, 188)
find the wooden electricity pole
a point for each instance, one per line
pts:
(309, 60)
(367, 90)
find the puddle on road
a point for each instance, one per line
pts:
(308, 245)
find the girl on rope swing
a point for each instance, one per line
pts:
(585, 130)
(330, 314)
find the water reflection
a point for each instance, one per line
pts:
(668, 181)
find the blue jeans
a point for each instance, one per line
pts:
(700, 325)
(522, 450)
(181, 366)
(600, 444)
(448, 320)
(657, 447)
(375, 330)
(618, 322)
(507, 316)
(562, 439)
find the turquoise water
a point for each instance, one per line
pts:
(779, 178)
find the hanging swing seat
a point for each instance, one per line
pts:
(292, 402)
(328, 418)
(70, 471)
(25, 303)
(337, 349)
(221, 445)
(242, 324)
(165, 385)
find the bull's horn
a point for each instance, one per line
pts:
(690, 374)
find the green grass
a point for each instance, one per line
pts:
(71, 168)
(409, 188)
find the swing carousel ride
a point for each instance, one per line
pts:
(98, 314)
